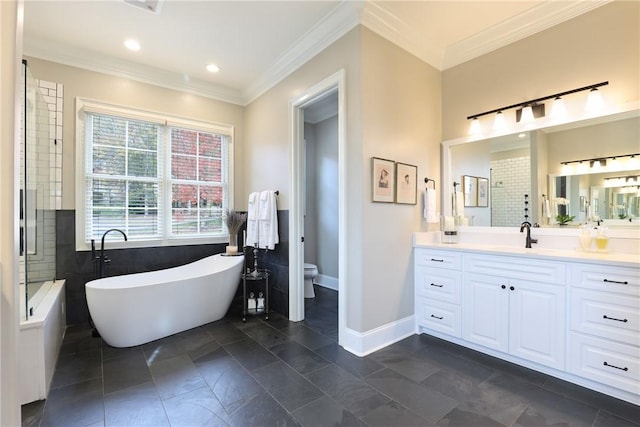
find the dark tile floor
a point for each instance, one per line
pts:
(278, 373)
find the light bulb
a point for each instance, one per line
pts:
(474, 129)
(594, 101)
(132, 45)
(499, 122)
(527, 115)
(558, 109)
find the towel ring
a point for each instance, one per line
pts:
(427, 181)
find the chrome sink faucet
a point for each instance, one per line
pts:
(528, 240)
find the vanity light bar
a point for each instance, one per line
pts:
(602, 160)
(535, 101)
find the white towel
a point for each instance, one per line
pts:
(252, 211)
(458, 203)
(430, 213)
(268, 222)
(264, 205)
(252, 220)
(547, 209)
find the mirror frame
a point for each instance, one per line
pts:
(628, 110)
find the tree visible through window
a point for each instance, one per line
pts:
(153, 181)
(196, 188)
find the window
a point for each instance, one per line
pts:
(162, 180)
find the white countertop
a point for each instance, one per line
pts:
(577, 255)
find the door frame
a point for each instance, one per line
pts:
(296, 208)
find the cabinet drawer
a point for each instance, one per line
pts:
(438, 316)
(610, 363)
(516, 268)
(442, 259)
(438, 283)
(624, 280)
(606, 315)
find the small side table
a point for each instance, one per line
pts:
(259, 276)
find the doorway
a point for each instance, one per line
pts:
(323, 91)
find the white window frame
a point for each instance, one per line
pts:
(85, 106)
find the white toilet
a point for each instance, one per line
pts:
(310, 273)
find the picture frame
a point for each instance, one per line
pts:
(483, 192)
(470, 188)
(406, 183)
(383, 173)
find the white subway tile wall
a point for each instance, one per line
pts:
(511, 180)
(46, 159)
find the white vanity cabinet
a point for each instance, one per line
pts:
(572, 315)
(605, 325)
(438, 279)
(506, 312)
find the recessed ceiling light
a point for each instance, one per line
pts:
(213, 68)
(132, 45)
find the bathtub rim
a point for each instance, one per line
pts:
(41, 311)
(110, 283)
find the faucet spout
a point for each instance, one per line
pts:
(528, 241)
(103, 260)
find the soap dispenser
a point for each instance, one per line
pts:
(585, 238)
(602, 240)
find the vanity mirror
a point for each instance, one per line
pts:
(527, 172)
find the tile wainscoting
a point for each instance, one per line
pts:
(77, 268)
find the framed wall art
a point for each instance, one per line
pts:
(483, 192)
(383, 179)
(470, 188)
(406, 187)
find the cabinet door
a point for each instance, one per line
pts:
(485, 311)
(537, 325)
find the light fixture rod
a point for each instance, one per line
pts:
(600, 158)
(544, 98)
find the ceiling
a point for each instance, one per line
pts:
(257, 43)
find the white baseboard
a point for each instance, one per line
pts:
(327, 282)
(363, 343)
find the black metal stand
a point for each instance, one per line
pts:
(255, 276)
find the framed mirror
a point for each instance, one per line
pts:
(529, 172)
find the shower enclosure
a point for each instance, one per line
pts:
(38, 160)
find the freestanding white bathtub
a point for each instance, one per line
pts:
(138, 308)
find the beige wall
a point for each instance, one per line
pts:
(601, 140)
(602, 45)
(393, 111)
(267, 139)
(11, 51)
(101, 87)
(401, 122)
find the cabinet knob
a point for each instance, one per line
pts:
(512, 288)
(503, 287)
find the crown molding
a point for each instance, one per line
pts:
(344, 17)
(337, 23)
(89, 60)
(534, 20)
(383, 22)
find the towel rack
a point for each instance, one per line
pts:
(428, 180)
